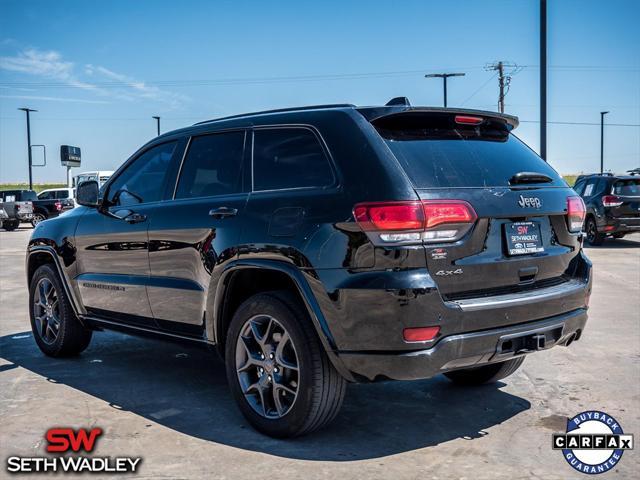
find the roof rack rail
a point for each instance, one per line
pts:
(608, 174)
(278, 110)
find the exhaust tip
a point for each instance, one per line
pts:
(571, 339)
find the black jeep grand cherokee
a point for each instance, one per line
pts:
(323, 245)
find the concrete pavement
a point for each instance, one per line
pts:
(169, 403)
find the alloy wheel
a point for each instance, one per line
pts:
(46, 311)
(591, 231)
(267, 366)
(37, 218)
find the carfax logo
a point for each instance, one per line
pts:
(594, 442)
(65, 440)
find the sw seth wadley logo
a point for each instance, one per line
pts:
(65, 441)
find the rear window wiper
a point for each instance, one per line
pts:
(521, 178)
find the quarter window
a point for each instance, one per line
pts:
(289, 158)
(212, 166)
(143, 181)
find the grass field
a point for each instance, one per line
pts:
(38, 187)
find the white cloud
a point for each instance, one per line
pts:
(54, 99)
(36, 62)
(50, 65)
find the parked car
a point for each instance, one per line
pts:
(18, 206)
(613, 205)
(3, 214)
(323, 245)
(65, 195)
(42, 208)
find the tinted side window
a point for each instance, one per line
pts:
(289, 158)
(47, 196)
(600, 186)
(212, 166)
(143, 180)
(579, 187)
(62, 194)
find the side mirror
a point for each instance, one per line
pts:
(87, 194)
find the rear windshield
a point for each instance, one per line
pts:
(436, 152)
(627, 188)
(28, 196)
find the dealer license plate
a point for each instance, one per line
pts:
(523, 238)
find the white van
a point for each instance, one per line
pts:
(100, 176)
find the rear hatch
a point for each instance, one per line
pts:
(519, 238)
(624, 200)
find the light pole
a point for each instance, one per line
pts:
(27, 111)
(444, 77)
(602, 114)
(157, 123)
(543, 79)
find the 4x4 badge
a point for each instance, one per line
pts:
(526, 202)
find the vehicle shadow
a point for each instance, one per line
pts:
(184, 388)
(611, 243)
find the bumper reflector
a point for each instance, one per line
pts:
(420, 334)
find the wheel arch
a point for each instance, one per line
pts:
(243, 279)
(42, 255)
(42, 210)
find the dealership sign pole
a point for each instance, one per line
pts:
(70, 157)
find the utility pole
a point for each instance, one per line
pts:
(504, 80)
(157, 123)
(602, 114)
(444, 77)
(543, 79)
(27, 111)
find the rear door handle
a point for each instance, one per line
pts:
(223, 212)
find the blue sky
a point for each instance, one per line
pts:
(98, 71)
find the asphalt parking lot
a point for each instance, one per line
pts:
(169, 404)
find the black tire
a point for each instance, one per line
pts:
(486, 374)
(619, 235)
(10, 225)
(320, 388)
(37, 218)
(594, 238)
(71, 337)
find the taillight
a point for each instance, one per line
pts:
(420, 334)
(575, 213)
(611, 201)
(58, 206)
(390, 216)
(415, 221)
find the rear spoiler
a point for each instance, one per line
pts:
(375, 113)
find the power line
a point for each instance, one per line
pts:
(479, 89)
(586, 123)
(226, 81)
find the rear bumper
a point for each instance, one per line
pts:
(621, 225)
(468, 349)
